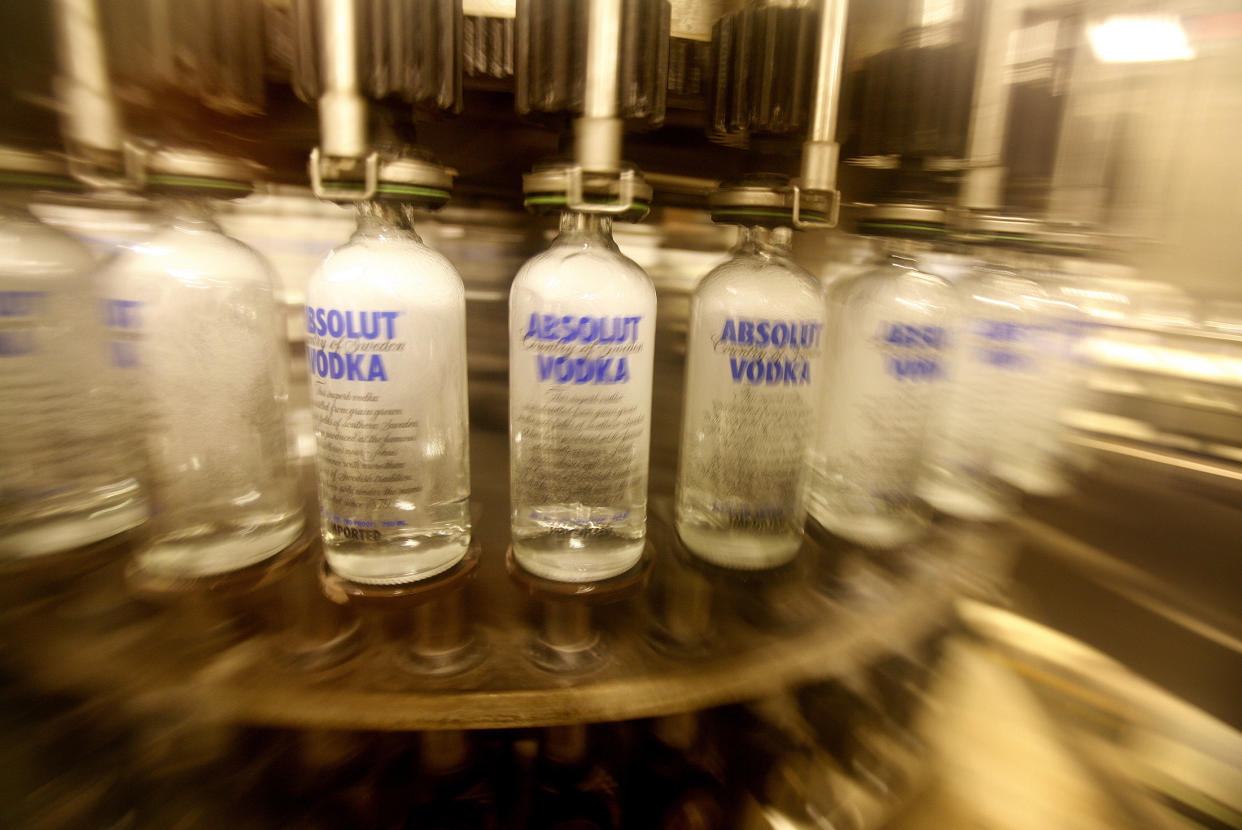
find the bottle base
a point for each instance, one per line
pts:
(872, 531)
(740, 550)
(1044, 483)
(214, 549)
(570, 557)
(966, 503)
(395, 567)
(62, 534)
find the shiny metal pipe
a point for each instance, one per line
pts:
(985, 174)
(89, 117)
(819, 153)
(342, 109)
(597, 134)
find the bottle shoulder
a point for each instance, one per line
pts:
(983, 285)
(192, 254)
(31, 248)
(761, 286)
(890, 284)
(592, 272)
(387, 265)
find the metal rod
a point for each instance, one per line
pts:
(828, 54)
(342, 109)
(599, 96)
(982, 187)
(440, 625)
(567, 625)
(88, 111)
(597, 135)
(819, 153)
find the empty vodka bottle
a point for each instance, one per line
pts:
(196, 326)
(68, 477)
(885, 350)
(581, 336)
(997, 358)
(752, 387)
(386, 347)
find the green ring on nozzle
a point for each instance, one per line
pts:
(224, 188)
(428, 198)
(38, 181)
(774, 217)
(555, 202)
(766, 200)
(906, 229)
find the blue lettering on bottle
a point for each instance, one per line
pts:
(780, 334)
(364, 367)
(349, 324)
(782, 372)
(915, 337)
(582, 370)
(916, 347)
(572, 329)
(16, 343)
(122, 316)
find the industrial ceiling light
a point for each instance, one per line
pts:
(1140, 39)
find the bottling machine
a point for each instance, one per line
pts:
(1071, 656)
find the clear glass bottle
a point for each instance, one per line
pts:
(67, 476)
(581, 343)
(752, 387)
(885, 347)
(196, 327)
(386, 348)
(994, 362)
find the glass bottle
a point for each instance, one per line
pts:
(196, 328)
(885, 350)
(994, 360)
(386, 347)
(1039, 460)
(752, 386)
(68, 477)
(581, 337)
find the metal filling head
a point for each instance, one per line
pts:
(409, 175)
(1001, 230)
(766, 199)
(194, 172)
(910, 220)
(557, 186)
(25, 170)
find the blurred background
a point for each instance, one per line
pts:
(1078, 664)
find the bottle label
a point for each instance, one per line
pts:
(991, 373)
(879, 401)
(580, 412)
(61, 420)
(20, 312)
(123, 319)
(750, 416)
(387, 396)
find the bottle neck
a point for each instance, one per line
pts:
(762, 241)
(385, 220)
(578, 228)
(187, 213)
